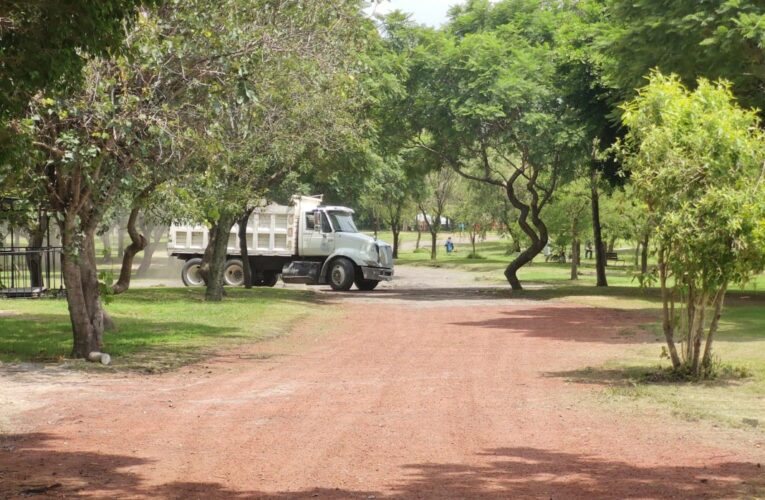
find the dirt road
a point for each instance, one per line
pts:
(414, 392)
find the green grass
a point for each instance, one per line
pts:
(158, 328)
(493, 259)
(735, 399)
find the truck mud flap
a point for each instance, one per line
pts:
(302, 272)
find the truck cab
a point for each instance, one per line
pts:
(341, 255)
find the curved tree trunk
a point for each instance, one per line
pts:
(537, 234)
(138, 243)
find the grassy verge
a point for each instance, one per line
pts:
(735, 399)
(158, 328)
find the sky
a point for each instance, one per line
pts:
(430, 12)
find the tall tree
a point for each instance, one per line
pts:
(698, 161)
(492, 112)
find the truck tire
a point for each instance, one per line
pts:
(233, 274)
(268, 279)
(366, 285)
(341, 273)
(190, 273)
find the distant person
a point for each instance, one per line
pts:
(449, 245)
(588, 250)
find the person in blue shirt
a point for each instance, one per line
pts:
(449, 245)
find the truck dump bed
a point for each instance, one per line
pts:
(271, 231)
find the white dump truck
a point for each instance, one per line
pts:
(305, 242)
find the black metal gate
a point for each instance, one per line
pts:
(30, 272)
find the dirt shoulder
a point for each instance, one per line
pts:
(422, 392)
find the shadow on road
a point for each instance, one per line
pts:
(30, 465)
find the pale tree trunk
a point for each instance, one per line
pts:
(718, 305)
(154, 237)
(575, 249)
(214, 291)
(668, 312)
(600, 257)
(82, 291)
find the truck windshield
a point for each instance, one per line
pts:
(342, 222)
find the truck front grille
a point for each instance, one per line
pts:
(386, 256)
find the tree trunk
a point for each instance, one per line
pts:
(154, 237)
(243, 250)
(706, 362)
(214, 291)
(600, 256)
(537, 234)
(611, 244)
(36, 242)
(575, 244)
(472, 242)
(637, 253)
(106, 241)
(644, 254)
(396, 238)
(419, 236)
(82, 290)
(120, 238)
(138, 243)
(668, 313)
(433, 244)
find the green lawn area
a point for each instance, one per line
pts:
(158, 328)
(493, 258)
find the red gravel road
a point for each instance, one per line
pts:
(406, 398)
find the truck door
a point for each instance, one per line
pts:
(318, 238)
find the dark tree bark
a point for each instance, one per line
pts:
(217, 265)
(419, 237)
(138, 243)
(36, 241)
(530, 223)
(434, 226)
(243, 250)
(644, 254)
(394, 220)
(600, 256)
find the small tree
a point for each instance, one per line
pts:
(433, 202)
(698, 161)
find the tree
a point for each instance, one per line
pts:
(492, 112)
(568, 218)
(42, 44)
(698, 161)
(477, 209)
(433, 200)
(717, 39)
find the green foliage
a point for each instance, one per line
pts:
(44, 44)
(697, 161)
(717, 39)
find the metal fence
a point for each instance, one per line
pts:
(30, 272)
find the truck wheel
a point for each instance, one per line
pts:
(268, 279)
(233, 275)
(341, 274)
(190, 273)
(366, 285)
